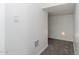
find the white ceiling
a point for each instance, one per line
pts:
(61, 9)
(46, 5)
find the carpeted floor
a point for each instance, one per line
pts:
(59, 47)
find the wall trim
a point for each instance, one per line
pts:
(60, 39)
(42, 50)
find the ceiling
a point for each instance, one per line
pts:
(61, 9)
(46, 5)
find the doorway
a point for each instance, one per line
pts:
(60, 30)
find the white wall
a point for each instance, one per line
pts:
(2, 28)
(76, 30)
(25, 23)
(61, 23)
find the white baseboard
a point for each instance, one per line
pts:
(42, 50)
(61, 39)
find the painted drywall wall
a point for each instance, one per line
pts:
(59, 24)
(2, 28)
(76, 30)
(25, 24)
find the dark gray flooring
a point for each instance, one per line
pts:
(59, 47)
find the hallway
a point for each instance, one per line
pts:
(25, 29)
(59, 47)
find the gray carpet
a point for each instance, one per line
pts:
(59, 47)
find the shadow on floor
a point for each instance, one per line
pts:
(59, 47)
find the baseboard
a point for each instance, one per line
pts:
(75, 51)
(42, 50)
(60, 39)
